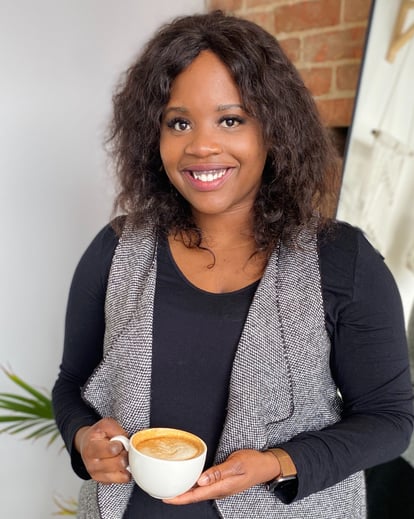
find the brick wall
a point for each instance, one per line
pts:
(325, 40)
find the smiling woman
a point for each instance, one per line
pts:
(212, 150)
(214, 155)
(223, 303)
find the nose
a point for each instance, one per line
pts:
(203, 142)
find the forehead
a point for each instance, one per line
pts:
(206, 78)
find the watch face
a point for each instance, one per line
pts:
(285, 489)
(281, 482)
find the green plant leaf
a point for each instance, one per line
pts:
(53, 437)
(22, 426)
(34, 409)
(41, 431)
(20, 398)
(9, 428)
(33, 416)
(12, 418)
(27, 387)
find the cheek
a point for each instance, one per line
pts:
(167, 152)
(162, 147)
(169, 159)
(253, 151)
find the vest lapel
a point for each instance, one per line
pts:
(261, 383)
(120, 387)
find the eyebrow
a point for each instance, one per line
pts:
(220, 108)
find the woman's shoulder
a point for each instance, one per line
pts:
(344, 241)
(106, 240)
(98, 255)
(340, 235)
(345, 251)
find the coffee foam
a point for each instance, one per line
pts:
(170, 447)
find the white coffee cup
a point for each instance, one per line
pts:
(164, 462)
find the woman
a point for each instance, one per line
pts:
(222, 304)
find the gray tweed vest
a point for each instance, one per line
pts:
(280, 383)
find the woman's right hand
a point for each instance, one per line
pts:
(105, 461)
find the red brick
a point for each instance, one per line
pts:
(261, 3)
(336, 112)
(225, 5)
(263, 19)
(291, 46)
(252, 3)
(307, 15)
(334, 45)
(357, 10)
(347, 76)
(318, 80)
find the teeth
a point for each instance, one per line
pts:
(210, 175)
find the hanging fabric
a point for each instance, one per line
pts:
(389, 157)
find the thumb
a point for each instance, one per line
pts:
(219, 472)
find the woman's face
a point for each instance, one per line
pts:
(212, 151)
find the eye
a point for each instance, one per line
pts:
(178, 124)
(231, 122)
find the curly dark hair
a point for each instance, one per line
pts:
(300, 154)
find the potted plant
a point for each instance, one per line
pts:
(31, 414)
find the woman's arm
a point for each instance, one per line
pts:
(83, 346)
(369, 364)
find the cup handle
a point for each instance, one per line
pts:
(123, 439)
(125, 442)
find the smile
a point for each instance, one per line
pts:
(209, 175)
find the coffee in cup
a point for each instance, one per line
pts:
(164, 462)
(169, 445)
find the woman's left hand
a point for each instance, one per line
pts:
(242, 469)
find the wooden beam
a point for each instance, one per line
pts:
(400, 38)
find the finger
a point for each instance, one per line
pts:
(109, 427)
(96, 434)
(112, 477)
(227, 469)
(197, 494)
(108, 464)
(192, 496)
(115, 448)
(101, 449)
(215, 483)
(112, 470)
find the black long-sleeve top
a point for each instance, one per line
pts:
(369, 361)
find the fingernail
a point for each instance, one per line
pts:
(203, 480)
(116, 449)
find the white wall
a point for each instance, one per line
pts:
(58, 64)
(378, 188)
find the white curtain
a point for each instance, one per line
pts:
(377, 193)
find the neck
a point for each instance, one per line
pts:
(226, 230)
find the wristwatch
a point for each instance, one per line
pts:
(288, 474)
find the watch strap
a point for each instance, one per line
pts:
(288, 470)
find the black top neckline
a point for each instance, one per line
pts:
(165, 246)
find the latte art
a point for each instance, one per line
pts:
(170, 448)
